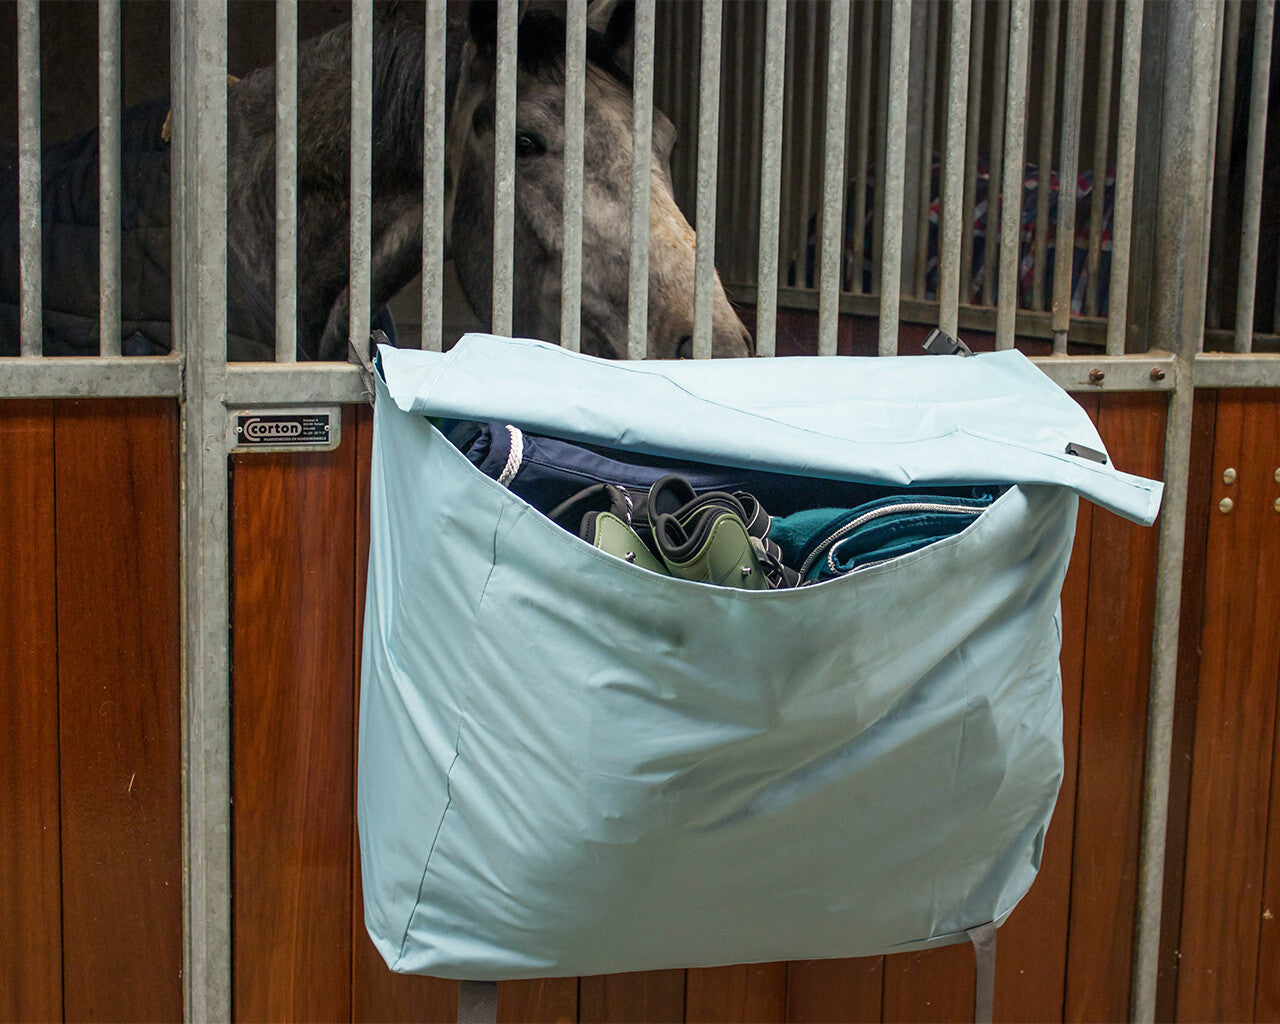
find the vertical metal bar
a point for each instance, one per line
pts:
(974, 127)
(1044, 168)
(917, 143)
(708, 142)
(641, 180)
(361, 173)
(895, 156)
(286, 181)
(950, 228)
(881, 143)
(863, 151)
(734, 250)
(770, 179)
(1126, 145)
(1011, 194)
(200, 331)
(1101, 140)
(790, 217)
(1221, 176)
(1065, 241)
(504, 164)
(433, 226)
(1246, 288)
(995, 177)
(1194, 34)
(31, 329)
(925, 191)
(755, 125)
(575, 99)
(109, 177)
(832, 234)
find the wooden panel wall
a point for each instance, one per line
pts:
(91, 859)
(90, 870)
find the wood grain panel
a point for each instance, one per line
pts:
(1235, 719)
(1267, 1000)
(543, 1001)
(119, 691)
(929, 985)
(747, 992)
(1113, 716)
(640, 997)
(293, 559)
(30, 871)
(377, 994)
(1031, 965)
(849, 990)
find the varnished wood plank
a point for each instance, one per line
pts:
(376, 993)
(1031, 964)
(293, 559)
(1267, 999)
(119, 692)
(1199, 507)
(929, 985)
(30, 876)
(542, 1001)
(746, 992)
(1235, 719)
(640, 997)
(1113, 718)
(849, 991)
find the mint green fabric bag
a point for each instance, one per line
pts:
(569, 765)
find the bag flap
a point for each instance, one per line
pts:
(993, 418)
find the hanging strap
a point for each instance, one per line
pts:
(983, 938)
(477, 1002)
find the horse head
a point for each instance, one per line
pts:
(539, 190)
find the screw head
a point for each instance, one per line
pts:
(1157, 374)
(1226, 505)
(1228, 476)
(1096, 375)
(746, 571)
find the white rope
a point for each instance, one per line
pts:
(514, 458)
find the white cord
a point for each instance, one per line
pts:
(514, 458)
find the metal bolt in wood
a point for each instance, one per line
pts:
(1228, 476)
(1226, 505)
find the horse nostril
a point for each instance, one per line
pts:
(684, 347)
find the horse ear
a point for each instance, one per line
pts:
(482, 23)
(615, 20)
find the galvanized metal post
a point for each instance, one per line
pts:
(708, 154)
(286, 181)
(200, 322)
(770, 179)
(433, 227)
(31, 320)
(1011, 197)
(109, 177)
(1122, 213)
(952, 222)
(361, 174)
(575, 84)
(1187, 153)
(832, 220)
(641, 182)
(895, 155)
(504, 166)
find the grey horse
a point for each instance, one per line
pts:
(324, 104)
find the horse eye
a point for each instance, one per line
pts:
(529, 145)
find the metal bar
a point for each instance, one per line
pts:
(832, 234)
(755, 127)
(286, 181)
(31, 326)
(433, 226)
(951, 225)
(972, 132)
(1154, 372)
(298, 384)
(575, 99)
(1044, 166)
(864, 147)
(1011, 193)
(996, 159)
(729, 198)
(200, 328)
(109, 177)
(1246, 288)
(1101, 140)
(1226, 120)
(1232, 370)
(504, 165)
(1126, 145)
(789, 217)
(881, 143)
(925, 191)
(771, 178)
(92, 377)
(917, 143)
(1192, 28)
(641, 181)
(1065, 242)
(361, 174)
(895, 156)
(704, 269)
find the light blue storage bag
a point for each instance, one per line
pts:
(569, 765)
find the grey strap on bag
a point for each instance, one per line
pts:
(983, 938)
(477, 1002)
